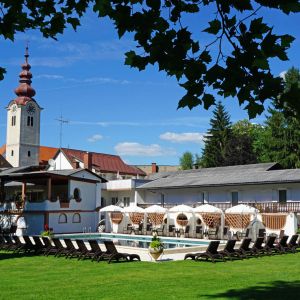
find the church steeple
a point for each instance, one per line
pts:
(25, 91)
(23, 122)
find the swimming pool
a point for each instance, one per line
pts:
(136, 241)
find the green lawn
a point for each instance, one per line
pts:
(39, 277)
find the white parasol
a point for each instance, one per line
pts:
(207, 208)
(111, 208)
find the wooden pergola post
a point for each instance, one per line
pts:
(23, 193)
(49, 188)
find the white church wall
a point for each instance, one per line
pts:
(61, 163)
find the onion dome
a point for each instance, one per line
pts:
(25, 91)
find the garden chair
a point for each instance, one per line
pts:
(19, 246)
(113, 254)
(187, 231)
(213, 233)
(171, 230)
(282, 246)
(198, 232)
(139, 230)
(160, 230)
(29, 246)
(40, 247)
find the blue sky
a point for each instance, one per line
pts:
(110, 107)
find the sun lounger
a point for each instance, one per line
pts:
(282, 246)
(84, 251)
(229, 250)
(95, 252)
(213, 233)
(211, 252)
(60, 248)
(245, 249)
(40, 247)
(29, 246)
(50, 249)
(269, 246)
(71, 251)
(113, 254)
(292, 244)
(257, 247)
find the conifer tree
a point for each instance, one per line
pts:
(217, 138)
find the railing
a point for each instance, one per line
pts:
(264, 207)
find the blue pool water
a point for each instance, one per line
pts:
(136, 241)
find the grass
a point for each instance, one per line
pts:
(39, 277)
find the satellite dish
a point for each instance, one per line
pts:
(51, 162)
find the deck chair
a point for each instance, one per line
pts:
(29, 246)
(282, 246)
(211, 252)
(113, 254)
(245, 234)
(7, 243)
(269, 246)
(71, 251)
(19, 246)
(257, 247)
(95, 253)
(60, 249)
(40, 247)
(262, 233)
(50, 249)
(229, 250)
(245, 249)
(84, 251)
(292, 244)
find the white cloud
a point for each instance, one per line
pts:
(95, 138)
(137, 149)
(282, 74)
(49, 76)
(186, 137)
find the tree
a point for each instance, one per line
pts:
(217, 138)
(256, 133)
(161, 32)
(282, 139)
(239, 150)
(186, 161)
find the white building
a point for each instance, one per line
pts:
(66, 201)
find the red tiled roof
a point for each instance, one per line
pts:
(4, 163)
(105, 163)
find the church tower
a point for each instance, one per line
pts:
(23, 123)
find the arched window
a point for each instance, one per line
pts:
(182, 219)
(28, 121)
(31, 121)
(62, 219)
(76, 218)
(76, 194)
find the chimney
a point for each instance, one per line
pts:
(87, 160)
(154, 168)
(75, 164)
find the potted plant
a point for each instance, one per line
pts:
(47, 232)
(156, 247)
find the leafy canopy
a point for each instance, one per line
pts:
(163, 38)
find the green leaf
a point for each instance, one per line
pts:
(214, 27)
(208, 100)
(261, 63)
(286, 40)
(74, 22)
(2, 72)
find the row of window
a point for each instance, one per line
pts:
(29, 121)
(62, 219)
(115, 200)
